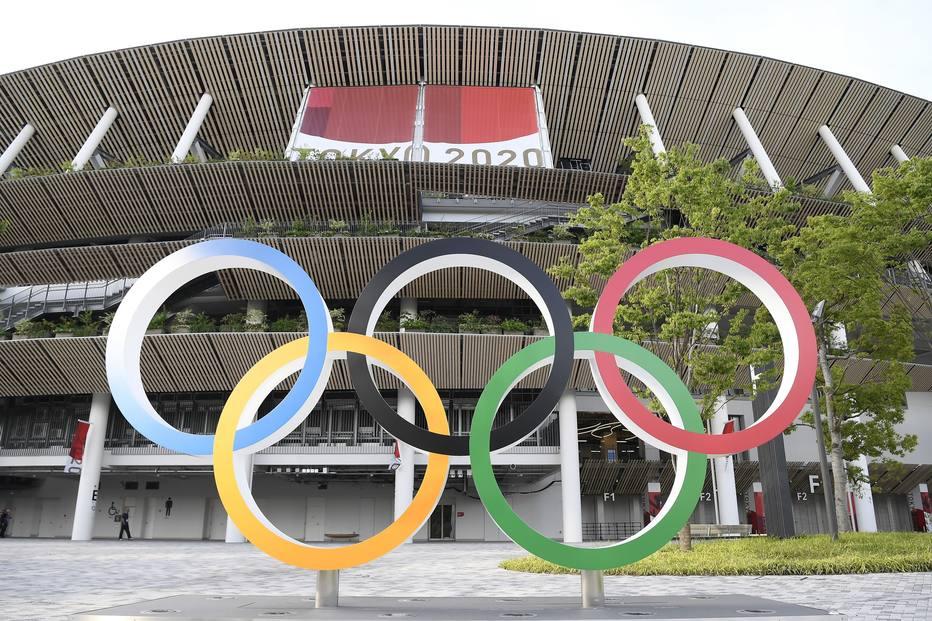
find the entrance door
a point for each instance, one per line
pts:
(215, 522)
(148, 521)
(441, 524)
(314, 518)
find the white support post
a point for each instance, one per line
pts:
(569, 468)
(647, 118)
(189, 135)
(896, 151)
(85, 506)
(6, 159)
(404, 474)
(757, 148)
(863, 500)
(233, 534)
(724, 467)
(833, 184)
(843, 160)
(93, 141)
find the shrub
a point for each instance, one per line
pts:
(158, 320)
(32, 328)
(386, 323)
(234, 322)
(338, 318)
(86, 325)
(285, 324)
(514, 325)
(201, 322)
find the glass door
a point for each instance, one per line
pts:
(441, 524)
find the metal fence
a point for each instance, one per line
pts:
(609, 531)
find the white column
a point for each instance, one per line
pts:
(833, 184)
(404, 475)
(843, 160)
(569, 468)
(727, 495)
(93, 141)
(189, 134)
(647, 118)
(763, 160)
(896, 151)
(6, 159)
(85, 507)
(233, 534)
(863, 500)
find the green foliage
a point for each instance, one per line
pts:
(202, 322)
(65, 325)
(386, 323)
(34, 328)
(416, 321)
(514, 325)
(4, 226)
(338, 318)
(182, 320)
(470, 322)
(158, 320)
(255, 155)
(286, 324)
(853, 553)
(710, 336)
(86, 325)
(234, 322)
(843, 260)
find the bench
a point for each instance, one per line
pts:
(713, 531)
(341, 536)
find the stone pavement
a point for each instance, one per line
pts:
(47, 580)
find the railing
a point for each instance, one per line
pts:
(52, 451)
(37, 300)
(609, 531)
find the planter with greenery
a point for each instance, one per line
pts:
(202, 322)
(86, 324)
(255, 321)
(234, 322)
(413, 322)
(539, 328)
(181, 322)
(469, 323)
(514, 327)
(63, 328)
(158, 323)
(31, 329)
(386, 323)
(491, 324)
(442, 325)
(285, 324)
(338, 318)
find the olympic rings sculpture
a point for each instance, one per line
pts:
(240, 433)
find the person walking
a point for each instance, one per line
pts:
(124, 525)
(4, 522)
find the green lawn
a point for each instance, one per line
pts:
(856, 553)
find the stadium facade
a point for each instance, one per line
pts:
(390, 133)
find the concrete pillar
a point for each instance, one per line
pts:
(896, 151)
(862, 501)
(10, 153)
(833, 184)
(404, 474)
(189, 135)
(85, 508)
(757, 148)
(233, 534)
(569, 469)
(726, 498)
(647, 118)
(93, 141)
(843, 160)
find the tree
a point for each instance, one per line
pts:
(691, 318)
(843, 259)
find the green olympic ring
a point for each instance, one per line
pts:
(687, 487)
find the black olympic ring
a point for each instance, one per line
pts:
(411, 264)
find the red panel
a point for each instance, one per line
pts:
(377, 114)
(478, 114)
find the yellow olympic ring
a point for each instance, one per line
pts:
(238, 500)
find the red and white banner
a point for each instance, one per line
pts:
(369, 122)
(78, 442)
(480, 125)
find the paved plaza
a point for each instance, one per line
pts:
(50, 579)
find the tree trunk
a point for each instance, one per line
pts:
(686, 538)
(836, 455)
